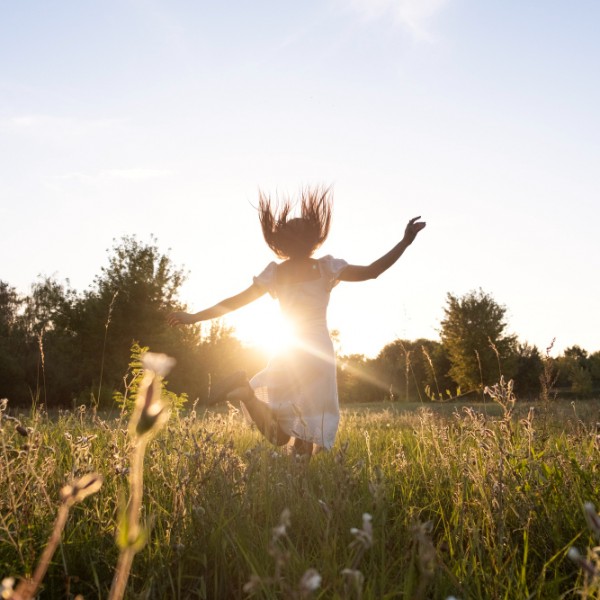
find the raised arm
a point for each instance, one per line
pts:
(376, 268)
(218, 310)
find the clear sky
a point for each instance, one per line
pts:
(165, 117)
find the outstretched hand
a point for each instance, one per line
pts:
(412, 229)
(180, 318)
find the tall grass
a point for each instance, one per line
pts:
(409, 504)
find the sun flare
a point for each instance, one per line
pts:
(269, 332)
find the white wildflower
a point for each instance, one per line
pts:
(310, 581)
(592, 518)
(354, 581)
(582, 562)
(253, 585)
(364, 536)
(7, 587)
(161, 364)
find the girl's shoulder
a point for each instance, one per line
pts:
(289, 272)
(266, 278)
(326, 269)
(332, 266)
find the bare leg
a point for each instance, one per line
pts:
(302, 447)
(262, 416)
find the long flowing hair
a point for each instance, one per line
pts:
(296, 237)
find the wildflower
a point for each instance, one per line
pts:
(353, 581)
(160, 364)
(84, 440)
(82, 488)
(426, 554)
(377, 485)
(324, 507)
(363, 537)
(592, 518)
(341, 454)
(253, 585)
(284, 522)
(179, 548)
(581, 561)
(150, 413)
(310, 581)
(7, 588)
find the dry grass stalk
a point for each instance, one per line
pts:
(70, 495)
(149, 415)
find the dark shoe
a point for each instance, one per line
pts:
(219, 391)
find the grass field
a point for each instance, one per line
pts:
(414, 501)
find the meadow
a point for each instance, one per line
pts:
(414, 501)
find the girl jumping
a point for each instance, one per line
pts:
(295, 396)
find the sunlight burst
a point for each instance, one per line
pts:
(271, 332)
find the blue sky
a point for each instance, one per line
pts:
(165, 118)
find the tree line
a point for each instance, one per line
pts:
(60, 347)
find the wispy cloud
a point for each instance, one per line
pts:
(107, 176)
(413, 15)
(135, 174)
(139, 174)
(49, 126)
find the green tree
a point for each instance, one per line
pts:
(473, 334)
(9, 306)
(36, 342)
(128, 303)
(576, 368)
(529, 367)
(61, 347)
(51, 360)
(415, 370)
(594, 362)
(12, 345)
(357, 381)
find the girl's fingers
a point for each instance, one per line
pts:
(173, 320)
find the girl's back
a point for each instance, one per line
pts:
(303, 288)
(297, 271)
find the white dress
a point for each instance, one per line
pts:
(299, 384)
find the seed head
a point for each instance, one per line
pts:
(354, 581)
(150, 413)
(82, 488)
(284, 522)
(581, 561)
(253, 585)
(363, 537)
(310, 581)
(325, 508)
(7, 588)
(161, 364)
(592, 518)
